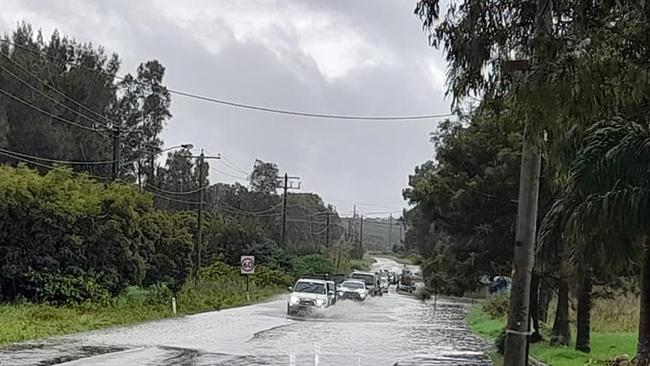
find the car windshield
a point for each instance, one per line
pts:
(310, 287)
(368, 279)
(353, 285)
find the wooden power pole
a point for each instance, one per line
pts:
(117, 152)
(286, 187)
(199, 215)
(518, 330)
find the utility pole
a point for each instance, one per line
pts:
(283, 239)
(400, 235)
(361, 236)
(517, 331)
(117, 152)
(390, 233)
(199, 216)
(327, 230)
(354, 223)
(152, 169)
(286, 187)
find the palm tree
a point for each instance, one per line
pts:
(609, 189)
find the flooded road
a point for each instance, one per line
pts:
(388, 330)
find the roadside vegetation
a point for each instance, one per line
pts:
(565, 83)
(87, 241)
(613, 332)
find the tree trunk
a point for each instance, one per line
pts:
(561, 331)
(583, 336)
(643, 347)
(534, 309)
(545, 293)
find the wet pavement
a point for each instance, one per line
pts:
(389, 330)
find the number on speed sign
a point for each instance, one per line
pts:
(247, 264)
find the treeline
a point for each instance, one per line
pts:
(577, 95)
(79, 225)
(67, 238)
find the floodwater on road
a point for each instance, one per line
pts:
(388, 330)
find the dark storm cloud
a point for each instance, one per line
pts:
(387, 72)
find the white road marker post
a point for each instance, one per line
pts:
(174, 305)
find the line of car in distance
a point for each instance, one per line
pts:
(315, 293)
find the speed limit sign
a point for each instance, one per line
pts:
(247, 264)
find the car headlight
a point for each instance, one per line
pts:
(293, 300)
(320, 302)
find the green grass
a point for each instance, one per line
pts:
(605, 345)
(363, 264)
(22, 322)
(396, 258)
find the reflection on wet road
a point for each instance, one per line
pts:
(388, 330)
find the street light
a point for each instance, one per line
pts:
(182, 146)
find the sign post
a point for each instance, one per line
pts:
(247, 268)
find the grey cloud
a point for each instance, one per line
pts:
(354, 161)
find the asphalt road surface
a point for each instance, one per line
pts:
(389, 330)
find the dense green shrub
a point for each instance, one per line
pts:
(263, 276)
(66, 238)
(267, 277)
(311, 264)
(57, 288)
(496, 307)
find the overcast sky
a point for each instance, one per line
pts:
(361, 57)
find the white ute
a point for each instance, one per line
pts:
(308, 295)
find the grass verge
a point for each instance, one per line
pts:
(22, 322)
(363, 264)
(605, 345)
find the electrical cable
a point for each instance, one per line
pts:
(39, 91)
(67, 162)
(175, 192)
(88, 109)
(235, 166)
(254, 213)
(260, 108)
(175, 199)
(48, 113)
(245, 179)
(48, 166)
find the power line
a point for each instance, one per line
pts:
(67, 162)
(26, 160)
(244, 213)
(174, 192)
(236, 170)
(245, 179)
(48, 113)
(254, 213)
(381, 212)
(256, 107)
(51, 87)
(226, 160)
(174, 199)
(306, 114)
(130, 138)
